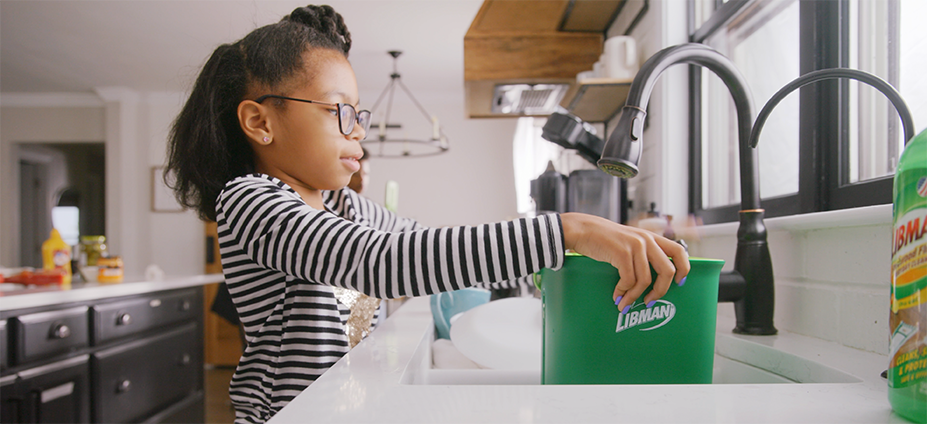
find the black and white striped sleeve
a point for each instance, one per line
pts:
(277, 230)
(356, 208)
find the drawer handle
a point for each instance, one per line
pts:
(185, 359)
(185, 305)
(123, 386)
(60, 331)
(124, 319)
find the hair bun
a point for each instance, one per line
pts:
(326, 21)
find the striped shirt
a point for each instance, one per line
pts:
(281, 258)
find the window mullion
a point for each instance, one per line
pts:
(820, 105)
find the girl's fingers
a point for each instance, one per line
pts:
(625, 265)
(631, 251)
(665, 272)
(679, 255)
(642, 278)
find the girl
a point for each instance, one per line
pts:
(265, 145)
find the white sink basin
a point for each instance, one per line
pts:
(738, 360)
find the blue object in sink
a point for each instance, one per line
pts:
(447, 304)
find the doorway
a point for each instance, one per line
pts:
(53, 174)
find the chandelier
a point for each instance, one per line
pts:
(386, 146)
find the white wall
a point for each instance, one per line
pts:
(471, 184)
(178, 243)
(35, 120)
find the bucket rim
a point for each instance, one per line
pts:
(572, 254)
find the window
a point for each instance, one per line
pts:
(831, 145)
(531, 155)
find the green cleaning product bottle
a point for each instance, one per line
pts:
(907, 372)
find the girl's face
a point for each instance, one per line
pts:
(308, 150)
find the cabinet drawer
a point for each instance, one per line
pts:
(139, 378)
(118, 319)
(4, 346)
(191, 409)
(46, 334)
(54, 393)
(10, 400)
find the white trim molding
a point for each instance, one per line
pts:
(855, 217)
(50, 100)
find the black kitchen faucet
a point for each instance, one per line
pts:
(750, 285)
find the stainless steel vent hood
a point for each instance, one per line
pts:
(527, 99)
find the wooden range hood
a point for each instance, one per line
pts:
(533, 42)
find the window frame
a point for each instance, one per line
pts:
(823, 126)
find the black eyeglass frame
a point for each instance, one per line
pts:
(357, 114)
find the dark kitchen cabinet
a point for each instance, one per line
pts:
(121, 318)
(128, 392)
(53, 393)
(48, 334)
(56, 393)
(189, 410)
(4, 346)
(123, 359)
(9, 399)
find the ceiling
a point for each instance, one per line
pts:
(159, 45)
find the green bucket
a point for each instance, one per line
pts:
(588, 341)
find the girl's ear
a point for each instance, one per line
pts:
(253, 118)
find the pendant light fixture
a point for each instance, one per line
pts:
(382, 140)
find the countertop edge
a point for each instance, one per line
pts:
(104, 291)
(366, 384)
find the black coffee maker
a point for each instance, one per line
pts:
(585, 190)
(588, 190)
(549, 191)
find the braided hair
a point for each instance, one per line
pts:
(206, 146)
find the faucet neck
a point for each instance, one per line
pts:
(907, 122)
(699, 54)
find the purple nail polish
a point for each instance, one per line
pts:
(626, 309)
(618, 300)
(683, 281)
(651, 303)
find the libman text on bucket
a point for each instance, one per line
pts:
(642, 318)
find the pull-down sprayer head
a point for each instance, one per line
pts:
(622, 152)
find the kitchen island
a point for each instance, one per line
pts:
(379, 381)
(127, 352)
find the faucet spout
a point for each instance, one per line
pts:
(750, 284)
(621, 153)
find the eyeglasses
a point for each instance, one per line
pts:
(347, 115)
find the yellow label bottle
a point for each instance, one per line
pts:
(56, 254)
(907, 372)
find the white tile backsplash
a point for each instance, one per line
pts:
(853, 255)
(831, 282)
(863, 315)
(807, 308)
(787, 259)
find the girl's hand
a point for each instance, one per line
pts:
(632, 250)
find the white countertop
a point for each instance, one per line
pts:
(367, 386)
(32, 298)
